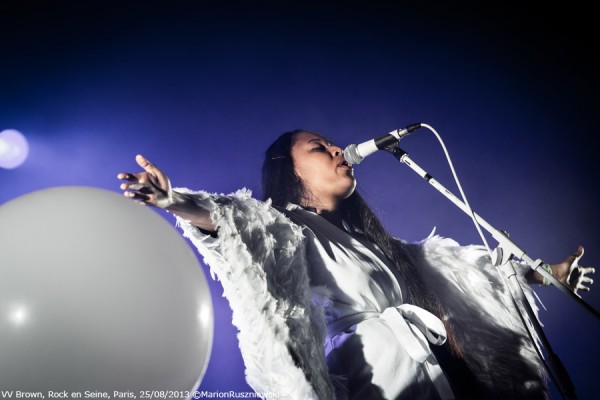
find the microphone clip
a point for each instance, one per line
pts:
(395, 150)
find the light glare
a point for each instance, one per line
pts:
(14, 149)
(18, 315)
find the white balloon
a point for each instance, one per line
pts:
(98, 294)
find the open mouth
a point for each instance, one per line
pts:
(345, 164)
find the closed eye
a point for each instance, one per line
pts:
(319, 148)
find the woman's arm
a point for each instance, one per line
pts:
(568, 272)
(259, 259)
(152, 187)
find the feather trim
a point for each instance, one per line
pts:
(266, 283)
(481, 312)
(281, 331)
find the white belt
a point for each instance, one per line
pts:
(414, 327)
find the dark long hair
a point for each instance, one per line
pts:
(281, 184)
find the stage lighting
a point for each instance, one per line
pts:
(13, 149)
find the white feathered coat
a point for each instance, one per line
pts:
(258, 258)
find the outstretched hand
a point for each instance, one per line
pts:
(573, 275)
(151, 187)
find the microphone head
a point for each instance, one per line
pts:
(351, 155)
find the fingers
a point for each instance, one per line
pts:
(583, 275)
(137, 192)
(139, 189)
(143, 188)
(141, 177)
(137, 196)
(587, 280)
(582, 281)
(153, 170)
(144, 163)
(131, 186)
(127, 177)
(151, 187)
(135, 187)
(579, 252)
(137, 182)
(587, 270)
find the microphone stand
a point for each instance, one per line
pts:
(503, 255)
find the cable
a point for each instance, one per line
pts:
(462, 193)
(524, 316)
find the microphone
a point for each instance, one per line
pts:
(355, 153)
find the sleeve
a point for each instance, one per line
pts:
(480, 309)
(258, 256)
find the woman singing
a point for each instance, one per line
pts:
(329, 305)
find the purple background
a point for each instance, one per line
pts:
(201, 89)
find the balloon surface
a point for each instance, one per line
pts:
(98, 294)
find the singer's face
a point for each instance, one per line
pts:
(322, 168)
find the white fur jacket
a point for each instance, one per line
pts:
(258, 258)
